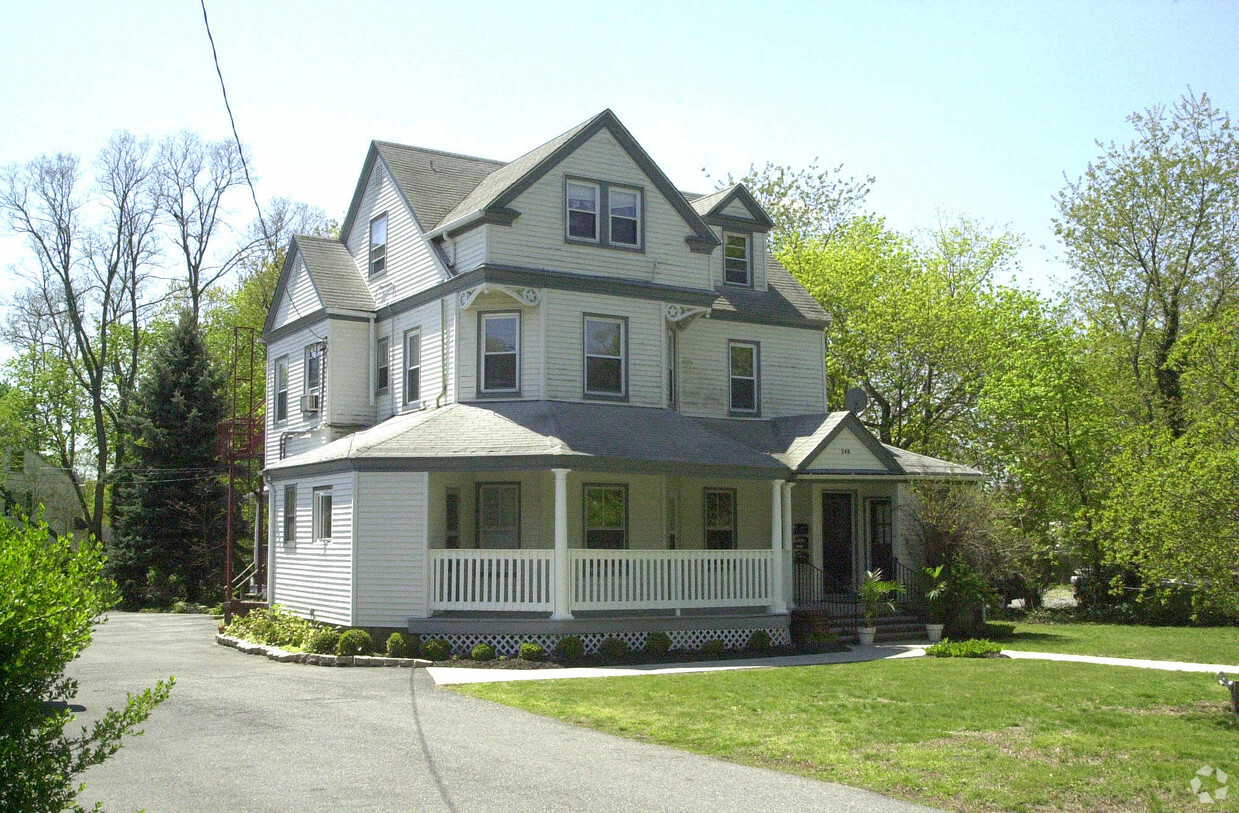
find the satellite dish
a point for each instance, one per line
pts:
(856, 400)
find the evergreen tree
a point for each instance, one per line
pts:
(169, 537)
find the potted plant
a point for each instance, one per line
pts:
(874, 595)
(934, 590)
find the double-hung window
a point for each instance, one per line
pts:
(606, 516)
(281, 389)
(499, 515)
(315, 356)
(583, 201)
(412, 366)
(606, 370)
(378, 245)
(382, 360)
(322, 514)
(744, 377)
(625, 226)
(720, 522)
(501, 352)
(737, 260)
(290, 514)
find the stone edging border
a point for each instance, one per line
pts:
(314, 659)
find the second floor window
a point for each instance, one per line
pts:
(290, 513)
(501, 350)
(382, 373)
(625, 206)
(315, 355)
(737, 265)
(412, 366)
(583, 210)
(378, 245)
(744, 376)
(605, 342)
(281, 389)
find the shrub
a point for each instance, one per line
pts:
(972, 648)
(273, 626)
(759, 641)
(570, 648)
(531, 651)
(713, 648)
(825, 640)
(658, 643)
(614, 649)
(436, 649)
(323, 641)
(482, 652)
(354, 642)
(400, 647)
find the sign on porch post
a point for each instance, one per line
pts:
(561, 575)
(777, 603)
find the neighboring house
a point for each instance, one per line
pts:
(557, 395)
(28, 482)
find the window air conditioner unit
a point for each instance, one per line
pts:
(310, 402)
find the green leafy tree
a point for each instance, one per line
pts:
(169, 539)
(53, 593)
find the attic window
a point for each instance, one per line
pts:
(582, 210)
(378, 245)
(736, 266)
(625, 206)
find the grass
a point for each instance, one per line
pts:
(1196, 644)
(963, 734)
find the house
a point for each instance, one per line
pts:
(28, 482)
(557, 395)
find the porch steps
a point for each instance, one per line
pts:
(804, 621)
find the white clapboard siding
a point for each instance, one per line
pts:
(293, 348)
(530, 351)
(845, 452)
(752, 514)
(791, 368)
(566, 351)
(391, 548)
(313, 578)
(758, 251)
(536, 238)
(348, 373)
(737, 209)
(300, 298)
(411, 266)
(471, 249)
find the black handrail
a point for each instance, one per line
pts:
(910, 581)
(814, 588)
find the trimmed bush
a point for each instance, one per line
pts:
(713, 648)
(323, 641)
(759, 641)
(658, 643)
(354, 642)
(273, 626)
(570, 648)
(400, 647)
(436, 649)
(482, 652)
(531, 651)
(614, 649)
(972, 648)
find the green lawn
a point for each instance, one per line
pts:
(1198, 644)
(966, 735)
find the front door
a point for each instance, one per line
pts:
(837, 537)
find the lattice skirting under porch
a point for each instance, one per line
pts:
(680, 639)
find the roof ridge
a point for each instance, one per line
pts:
(445, 153)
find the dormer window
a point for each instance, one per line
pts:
(378, 245)
(625, 206)
(583, 210)
(737, 260)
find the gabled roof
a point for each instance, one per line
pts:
(331, 270)
(784, 298)
(711, 206)
(926, 466)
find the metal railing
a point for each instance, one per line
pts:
(813, 588)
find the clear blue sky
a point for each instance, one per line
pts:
(974, 108)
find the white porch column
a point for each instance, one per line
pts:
(561, 611)
(777, 602)
(788, 591)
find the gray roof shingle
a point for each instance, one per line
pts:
(434, 181)
(335, 275)
(783, 297)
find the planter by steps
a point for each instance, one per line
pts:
(865, 634)
(933, 632)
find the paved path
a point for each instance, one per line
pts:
(242, 733)
(1139, 663)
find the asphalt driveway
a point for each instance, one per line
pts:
(242, 733)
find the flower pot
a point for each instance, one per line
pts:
(866, 635)
(934, 632)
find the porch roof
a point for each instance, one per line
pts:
(540, 434)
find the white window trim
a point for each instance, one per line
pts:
(412, 361)
(280, 364)
(482, 353)
(321, 495)
(289, 512)
(597, 213)
(381, 248)
(320, 347)
(623, 356)
(611, 217)
(755, 378)
(748, 259)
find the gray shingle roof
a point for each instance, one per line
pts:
(335, 275)
(434, 181)
(704, 203)
(784, 297)
(926, 466)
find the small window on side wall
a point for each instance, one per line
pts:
(322, 514)
(412, 366)
(744, 378)
(737, 260)
(290, 514)
(582, 210)
(720, 521)
(382, 373)
(281, 389)
(378, 245)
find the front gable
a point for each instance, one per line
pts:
(295, 295)
(848, 448)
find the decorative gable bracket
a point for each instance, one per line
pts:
(528, 297)
(681, 316)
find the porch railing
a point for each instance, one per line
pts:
(631, 579)
(512, 580)
(816, 589)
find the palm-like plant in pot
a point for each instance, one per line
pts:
(875, 593)
(935, 591)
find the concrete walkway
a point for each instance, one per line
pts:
(1139, 663)
(242, 733)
